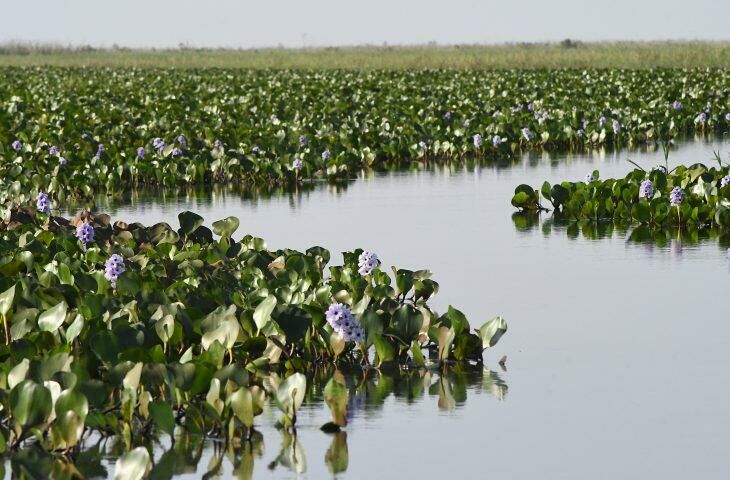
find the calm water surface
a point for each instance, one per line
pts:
(617, 351)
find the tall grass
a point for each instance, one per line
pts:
(567, 54)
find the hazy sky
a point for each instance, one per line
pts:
(242, 23)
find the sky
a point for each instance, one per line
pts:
(309, 23)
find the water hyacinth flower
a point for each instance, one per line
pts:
(646, 190)
(616, 126)
(218, 144)
(62, 161)
(113, 268)
(496, 115)
(602, 121)
(43, 203)
(447, 115)
(182, 141)
(84, 136)
(496, 141)
(17, 145)
(85, 233)
(589, 178)
(53, 150)
(344, 323)
(422, 144)
(158, 143)
(101, 149)
(141, 153)
(530, 107)
(255, 150)
(302, 140)
(677, 105)
(326, 155)
(176, 152)
(580, 133)
(526, 133)
(701, 118)
(367, 262)
(676, 196)
(725, 181)
(297, 165)
(478, 141)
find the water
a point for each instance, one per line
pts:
(617, 351)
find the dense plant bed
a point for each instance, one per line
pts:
(70, 131)
(120, 328)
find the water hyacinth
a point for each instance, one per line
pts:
(447, 115)
(302, 140)
(176, 152)
(701, 118)
(602, 121)
(158, 143)
(367, 262)
(182, 141)
(326, 155)
(62, 161)
(616, 126)
(113, 268)
(218, 144)
(478, 141)
(344, 323)
(422, 144)
(526, 133)
(677, 105)
(85, 233)
(43, 203)
(589, 178)
(725, 181)
(53, 150)
(496, 115)
(676, 196)
(84, 136)
(17, 145)
(496, 141)
(255, 150)
(101, 149)
(579, 133)
(530, 107)
(646, 190)
(297, 164)
(141, 153)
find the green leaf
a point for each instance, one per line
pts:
(407, 323)
(163, 416)
(242, 406)
(492, 331)
(189, 222)
(445, 339)
(294, 322)
(30, 403)
(6, 300)
(226, 227)
(262, 314)
(290, 394)
(134, 465)
(51, 319)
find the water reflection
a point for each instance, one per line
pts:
(364, 394)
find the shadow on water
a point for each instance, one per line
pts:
(186, 453)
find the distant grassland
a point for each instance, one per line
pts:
(567, 54)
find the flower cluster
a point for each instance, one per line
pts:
(367, 262)
(676, 196)
(589, 178)
(344, 323)
(677, 105)
(496, 141)
(255, 150)
(159, 145)
(478, 141)
(17, 145)
(85, 233)
(297, 165)
(326, 155)
(113, 267)
(141, 153)
(53, 150)
(182, 141)
(176, 152)
(526, 133)
(646, 190)
(725, 181)
(99, 151)
(218, 144)
(302, 140)
(43, 204)
(616, 126)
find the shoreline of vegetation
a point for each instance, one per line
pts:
(565, 54)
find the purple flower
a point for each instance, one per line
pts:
(344, 323)
(589, 178)
(101, 149)
(677, 105)
(62, 161)
(517, 109)
(17, 145)
(182, 141)
(602, 121)
(297, 165)
(85, 233)
(176, 152)
(579, 133)
(141, 153)
(496, 141)
(530, 107)
(256, 150)
(478, 141)
(326, 155)
(273, 118)
(496, 115)
(43, 204)
(113, 268)
(701, 118)
(218, 144)
(53, 150)
(646, 190)
(302, 140)
(447, 115)
(161, 147)
(616, 126)
(367, 262)
(725, 181)
(158, 143)
(84, 136)
(526, 133)
(676, 196)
